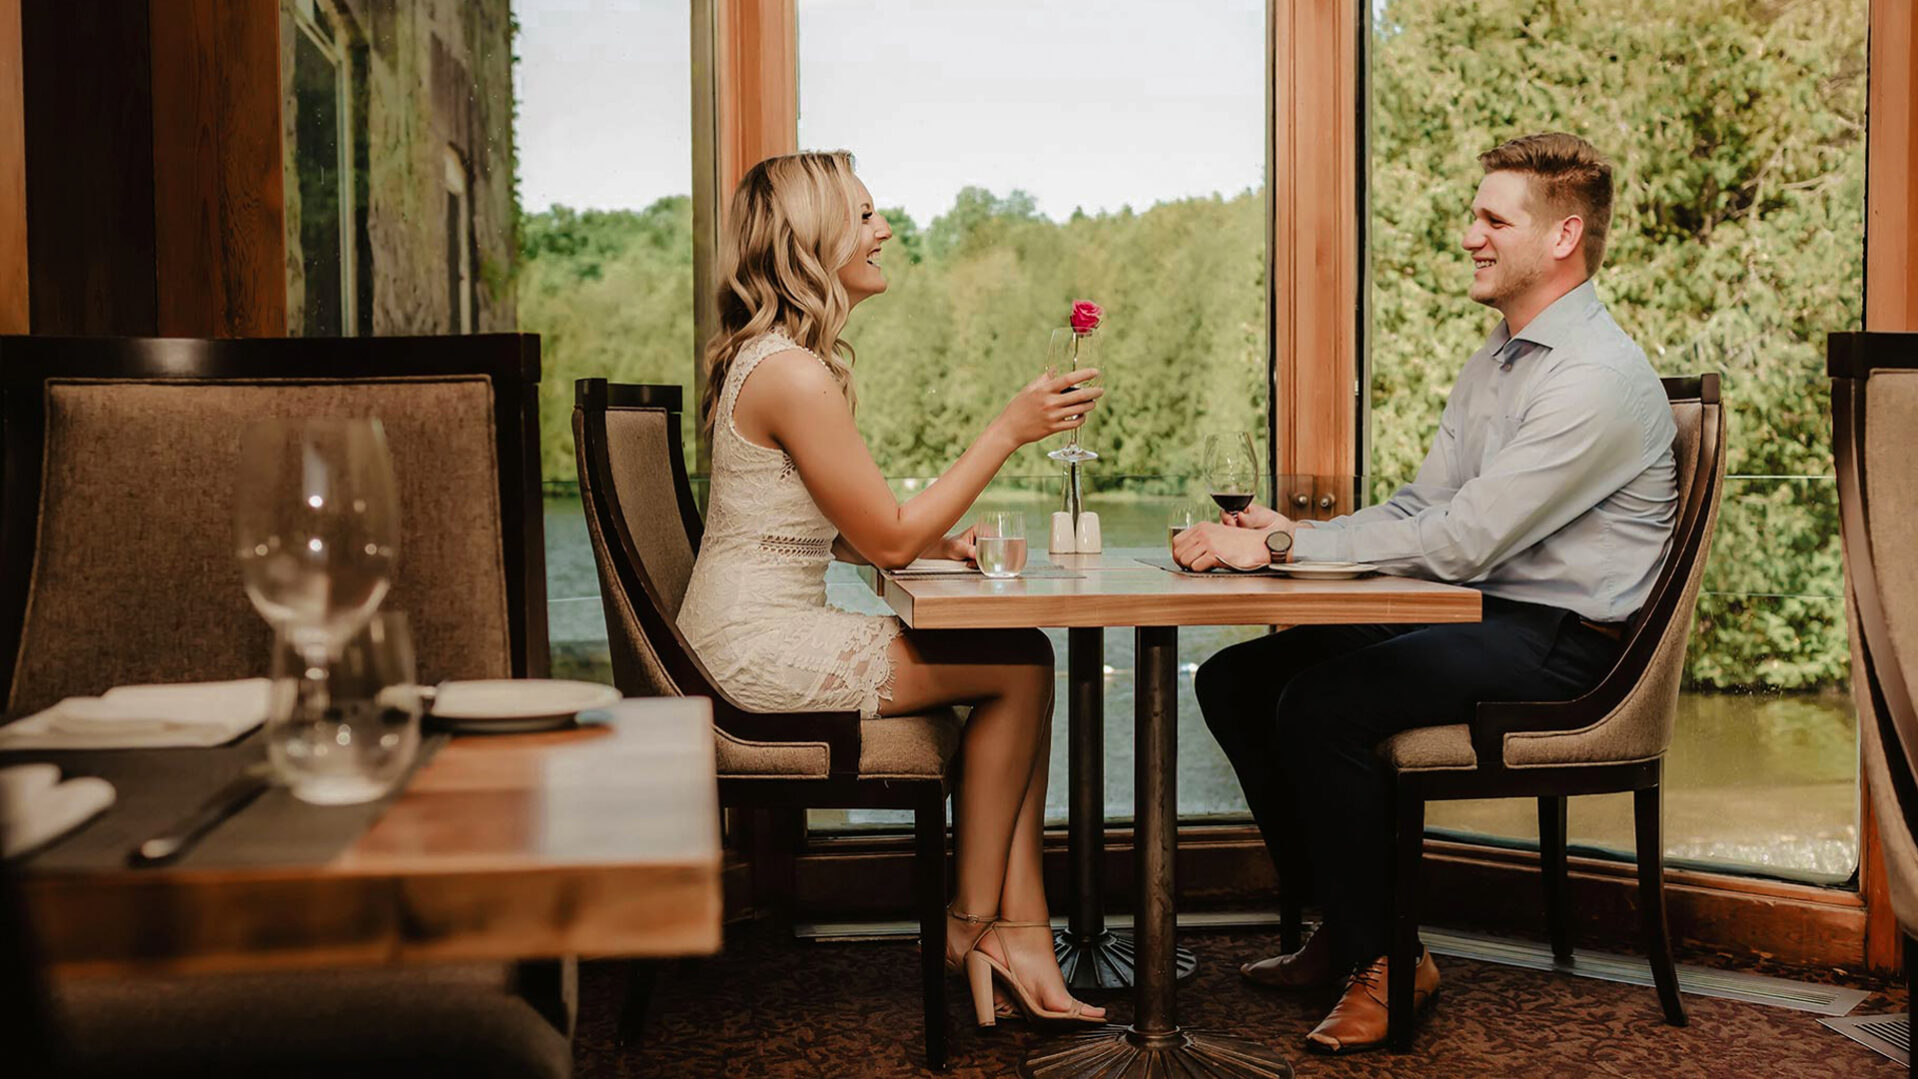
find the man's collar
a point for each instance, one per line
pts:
(1553, 326)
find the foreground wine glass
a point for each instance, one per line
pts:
(346, 730)
(1001, 539)
(1070, 350)
(317, 515)
(1232, 471)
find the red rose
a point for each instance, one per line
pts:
(1085, 316)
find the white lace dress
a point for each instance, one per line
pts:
(756, 609)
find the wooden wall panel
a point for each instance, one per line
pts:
(14, 313)
(1312, 183)
(89, 156)
(217, 148)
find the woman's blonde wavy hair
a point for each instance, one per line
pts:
(790, 230)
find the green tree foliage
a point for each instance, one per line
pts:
(1737, 129)
(611, 295)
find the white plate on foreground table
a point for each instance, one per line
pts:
(1324, 571)
(506, 705)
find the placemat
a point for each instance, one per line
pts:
(153, 788)
(1040, 571)
(1170, 566)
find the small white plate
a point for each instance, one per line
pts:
(1324, 571)
(516, 704)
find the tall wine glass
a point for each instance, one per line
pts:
(1232, 471)
(318, 526)
(1070, 350)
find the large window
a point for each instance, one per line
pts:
(1737, 245)
(1029, 155)
(606, 249)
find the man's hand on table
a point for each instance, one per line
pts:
(1237, 541)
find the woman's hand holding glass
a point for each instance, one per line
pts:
(1049, 405)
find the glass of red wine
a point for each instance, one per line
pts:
(1232, 471)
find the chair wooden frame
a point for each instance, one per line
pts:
(1551, 785)
(1850, 360)
(510, 361)
(843, 788)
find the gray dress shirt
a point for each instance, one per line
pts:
(1551, 480)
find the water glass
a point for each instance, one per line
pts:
(1182, 517)
(317, 518)
(343, 726)
(1002, 543)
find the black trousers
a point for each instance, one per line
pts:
(1301, 714)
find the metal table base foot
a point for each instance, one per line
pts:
(1104, 960)
(1118, 1052)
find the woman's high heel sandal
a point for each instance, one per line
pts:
(993, 1009)
(982, 969)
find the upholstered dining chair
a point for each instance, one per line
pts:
(1874, 403)
(117, 566)
(1612, 739)
(645, 531)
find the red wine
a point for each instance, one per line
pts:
(1232, 503)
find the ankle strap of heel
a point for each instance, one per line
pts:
(972, 919)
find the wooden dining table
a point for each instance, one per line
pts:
(1119, 588)
(599, 839)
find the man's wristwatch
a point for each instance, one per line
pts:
(1279, 542)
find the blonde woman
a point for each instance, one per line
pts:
(793, 485)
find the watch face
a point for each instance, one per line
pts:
(1278, 542)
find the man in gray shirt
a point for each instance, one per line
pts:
(1550, 487)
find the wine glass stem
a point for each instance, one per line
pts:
(1072, 440)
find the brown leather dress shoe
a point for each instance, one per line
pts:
(1359, 1020)
(1308, 968)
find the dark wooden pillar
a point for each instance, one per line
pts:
(13, 176)
(218, 214)
(152, 167)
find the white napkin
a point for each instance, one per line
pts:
(35, 807)
(145, 717)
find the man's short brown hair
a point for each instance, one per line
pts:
(1571, 178)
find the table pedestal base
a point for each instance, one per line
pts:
(1104, 960)
(1118, 1052)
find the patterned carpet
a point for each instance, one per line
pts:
(779, 1007)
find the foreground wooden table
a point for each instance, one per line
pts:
(600, 840)
(1116, 589)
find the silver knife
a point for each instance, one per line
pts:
(169, 845)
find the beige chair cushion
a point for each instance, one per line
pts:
(890, 747)
(454, 1021)
(135, 579)
(1431, 749)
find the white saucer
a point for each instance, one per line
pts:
(516, 704)
(1324, 571)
